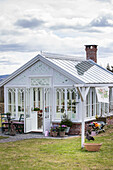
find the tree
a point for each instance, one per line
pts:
(108, 67)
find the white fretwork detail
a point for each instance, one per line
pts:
(40, 82)
(11, 90)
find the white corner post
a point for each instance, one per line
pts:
(83, 93)
(83, 116)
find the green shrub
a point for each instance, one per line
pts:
(66, 121)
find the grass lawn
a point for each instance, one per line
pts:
(1, 137)
(52, 154)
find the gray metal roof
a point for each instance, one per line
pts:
(87, 70)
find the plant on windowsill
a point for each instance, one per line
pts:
(37, 109)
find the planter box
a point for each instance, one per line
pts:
(92, 146)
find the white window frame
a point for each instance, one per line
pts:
(65, 103)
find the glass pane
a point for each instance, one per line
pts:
(92, 102)
(9, 108)
(11, 102)
(57, 99)
(88, 105)
(9, 97)
(106, 108)
(20, 101)
(62, 98)
(102, 108)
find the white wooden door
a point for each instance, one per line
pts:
(32, 120)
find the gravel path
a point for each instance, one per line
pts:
(18, 137)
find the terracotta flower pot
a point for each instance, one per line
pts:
(51, 134)
(54, 134)
(62, 133)
(92, 146)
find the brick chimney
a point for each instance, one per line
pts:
(91, 52)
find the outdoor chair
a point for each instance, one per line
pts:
(21, 118)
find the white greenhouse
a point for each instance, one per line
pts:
(56, 85)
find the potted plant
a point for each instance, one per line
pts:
(54, 130)
(62, 129)
(67, 122)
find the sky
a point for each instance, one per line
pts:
(54, 26)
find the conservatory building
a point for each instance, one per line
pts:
(56, 85)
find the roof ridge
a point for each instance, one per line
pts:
(62, 56)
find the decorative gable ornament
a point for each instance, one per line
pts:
(40, 82)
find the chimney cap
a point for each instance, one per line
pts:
(91, 45)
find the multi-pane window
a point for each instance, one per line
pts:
(71, 103)
(12, 102)
(93, 107)
(42, 96)
(15, 98)
(37, 95)
(47, 102)
(60, 103)
(66, 100)
(21, 101)
(91, 103)
(88, 105)
(111, 100)
(97, 107)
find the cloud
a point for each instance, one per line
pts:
(13, 47)
(107, 49)
(54, 26)
(7, 62)
(102, 21)
(79, 28)
(10, 32)
(94, 26)
(105, 1)
(29, 23)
